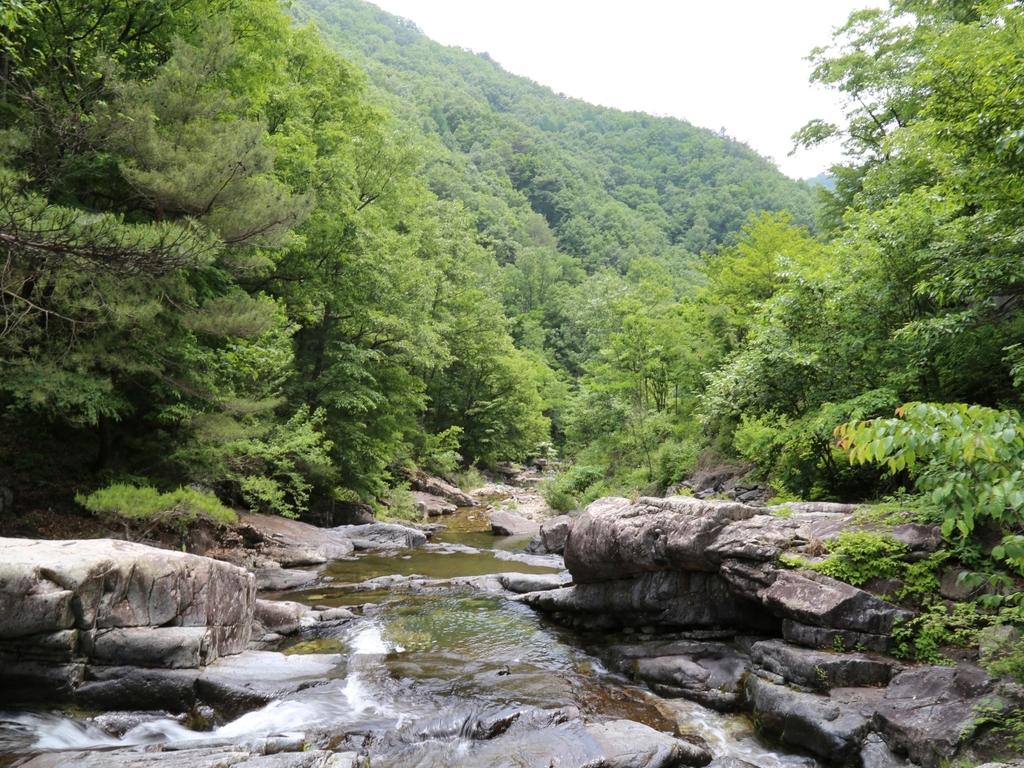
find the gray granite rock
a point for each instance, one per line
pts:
(280, 616)
(382, 536)
(929, 712)
(822, 671)
(555, 532)
(843, 639)
(283, 579)
(510, 524)
(612, 538)
(875, 754)
(435, 486)
(709, 673)
(665, 599)
(293, 543)
(69, 605)
(811, 598)
(828, 728)
(534, 582)
(432, 506)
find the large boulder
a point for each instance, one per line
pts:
(505, 523)
(291, 543)
(435, 486)
(69, 605)
(554, 533)
(929, 712)
(761, 538)
(831, 727)
(381, 536)
(432, 506)
(613, 538)
(811, 598)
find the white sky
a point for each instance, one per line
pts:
(737, 64)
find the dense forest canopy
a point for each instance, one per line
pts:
(232, 259)
(294, 253)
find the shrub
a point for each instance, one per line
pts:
(400, 503)
(857, 556)
(469, 479)
(148, 507)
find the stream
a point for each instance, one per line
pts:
(425, 672)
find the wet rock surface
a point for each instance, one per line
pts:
(709, 673)
(254, 755)
(827, 727)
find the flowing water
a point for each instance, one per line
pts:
(427, 671)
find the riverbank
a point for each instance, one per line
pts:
(673, 624)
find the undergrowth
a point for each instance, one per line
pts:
(146, 506)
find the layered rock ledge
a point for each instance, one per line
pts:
(67, 606)
(686, 563)
(749, 633)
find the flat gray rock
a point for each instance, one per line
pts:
(811, 598)
(534, 582)
(291, 542)
(823, 671)
(236, 684)
(283, 579)
(510, 524)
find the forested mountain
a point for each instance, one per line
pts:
(613, 185)
(233, 259)
(290, 255)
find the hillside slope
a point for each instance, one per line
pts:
(612, 185)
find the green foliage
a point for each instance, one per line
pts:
(400, 504)
(439, 454)
(969, 460)
(962, 626)
(856, 556)
(146, 506)
(569, 489)
(469, 480)
(219, 264)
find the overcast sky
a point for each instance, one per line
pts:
(737, 64)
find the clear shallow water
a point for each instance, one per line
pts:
(423, 670)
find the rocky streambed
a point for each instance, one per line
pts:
(669, 635)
